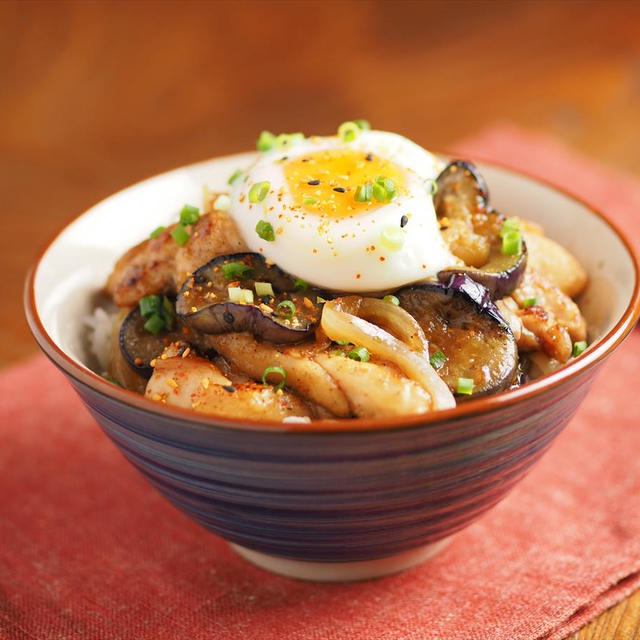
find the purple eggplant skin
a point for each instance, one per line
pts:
(203, 302)
(139, 347)
(462, 180)
(460, 319)
(500, 276)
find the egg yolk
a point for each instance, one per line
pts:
(327, 182)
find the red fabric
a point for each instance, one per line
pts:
(88, 550)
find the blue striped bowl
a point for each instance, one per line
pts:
(349, 499)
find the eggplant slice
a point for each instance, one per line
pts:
(289, 315)
(460, 320)
(139, 347)
(462, 197)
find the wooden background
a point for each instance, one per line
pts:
(97, 95)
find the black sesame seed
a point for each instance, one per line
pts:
(313, 183)
(403, 221)
(339, 189)
(228, 317)
(229, 388)
(369, 157)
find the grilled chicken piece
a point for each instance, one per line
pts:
(553, 323)
(159, 265)
(375, 390)
(554, 263)
(195, 383)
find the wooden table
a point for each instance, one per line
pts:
(95, 96)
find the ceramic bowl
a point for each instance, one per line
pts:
(348, 499)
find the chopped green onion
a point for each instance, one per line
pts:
(179, 234)
(465, 386)
(379, 192)
(278, 370)
(392, 237)
(529, 302)
(265, 231)
(437, 359)
(363, 192)
(388, 185)
(154, 324)
(511, 243)
(348, 131)
(189, 214)
(234, 176)
(578, 348)
(359, 353)
(286, 309)
(309, 200)
(320, 300)
(432, 186)
(300, 284)
(264, 289)
(168, 313)
(342, 343)
(108, 378)
(509, 225)
(157, 231)
(149, 305)
(392, 299)
(247, 296)
(363, 124)
(222, 202)
(266, 140)
(233, 270)
(258, 191)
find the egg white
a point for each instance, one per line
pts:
(336, 253)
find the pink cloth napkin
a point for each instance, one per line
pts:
(88, 550)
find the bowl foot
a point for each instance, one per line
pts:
(341, 571)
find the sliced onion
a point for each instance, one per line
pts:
(340, 322)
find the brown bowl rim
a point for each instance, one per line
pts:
(597, 352)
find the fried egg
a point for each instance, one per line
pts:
(352, 216)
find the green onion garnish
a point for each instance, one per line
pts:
(348, 131)
(265, 231)
(578, 348)
(258, 191)
(168, 313)
(342, 343)
(179, 234)
(189, 214)
(278, 370)
(391, 299)
(264, 289)
(266, 141)
(389, 186)
(379, 192)
(359, 353)
(157, 231)
(300, 284)
(233, 270)
(465, 386)
(510, 224)
(529, 302)
(108, 378)
(392, 237)
(431, 186)
(363, 124)
(363, 193)
(286, 309)
(437, 359)
(511, 243)
(308, 200)
(234, 176)
(287, 140)
(154, 324)
(149, 305)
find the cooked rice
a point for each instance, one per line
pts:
(99, 325)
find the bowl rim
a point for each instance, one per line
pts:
(596, 353)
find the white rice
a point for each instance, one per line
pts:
(99, 325)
